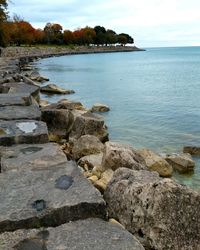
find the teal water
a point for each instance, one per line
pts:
(153, 95)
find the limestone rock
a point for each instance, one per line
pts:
(86, 234)
(54, 89)
(98, 107)
(87, 145)
(22, 131)
(43, 103)
(162, 214)
(15, 99)
(102, 183)
(91, 124)
(59, 121)
(47, 196)
(116, 155)
(183, 163)
(91, 160)
(70, 104)
(193, 150)
(156, 163)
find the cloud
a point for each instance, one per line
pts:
(167, 21)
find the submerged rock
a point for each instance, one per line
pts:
(193, 150)
(54, 89)
(98, 107)
(156, 163)
(162, 214)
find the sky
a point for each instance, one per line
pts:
(152, 23)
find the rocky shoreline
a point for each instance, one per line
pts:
(64, 185)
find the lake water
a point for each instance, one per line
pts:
(154, 95)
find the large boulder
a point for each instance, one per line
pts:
(54, 89)
(70, 104)
(156, 163)
(182, 163)
(98, 107)
(90, 161)
(87, 145)
(116, 155)
(162, 214)
(193, 150)
(88, 123)
(59, 121)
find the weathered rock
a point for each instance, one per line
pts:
(117, 155)
(162, 214)
(22, 131)
(183, 163)
(59, 121)
(21, 87)
(43, 103)
(31, 156)
(102, 183)
(54, 89)
(86, 234)
(156, 163)
(87, 145)
(98, 107)
(93, 178)
(91, 161)
(38, 78)
(31, 112)
(193, 150)
(69, 104)
(47, 196)
(15, 99)
(91, 124)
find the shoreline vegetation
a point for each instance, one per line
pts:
(137, 193)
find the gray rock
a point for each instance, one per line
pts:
(162, 214)
(116, 156)
(193, 150)
(91, 124)
(54, 89)
(59, 121)
(86, 234)
(87, 145)
(182, 163)
(31, 112)
(15, 99)
(98, 107)
(68, 104)
(21, 87)
(22, 131)
(47, 196)
(91, 160)
(31, 156)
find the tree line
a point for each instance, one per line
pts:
(20, 32)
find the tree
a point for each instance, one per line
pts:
(100, 35)
(68, 37)
(111, 37)
(3, 18)
(53, 33)
(122, 39)
(128, 38)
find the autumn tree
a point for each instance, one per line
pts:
(68, 37)
(53, 33)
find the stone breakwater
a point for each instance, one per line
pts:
(64, 185)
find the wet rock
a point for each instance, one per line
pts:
(87, 234)
(31, 112)
(54, 89)
(156, 163)
(15, 99)
(91, 124)
(31, 156)
(23, 131)
(59, 121)
(87, 145)
(47, 196)
(182, 163)
(98, 107)
(116, 155)
(91, 161)
(193, 150)
(159, 212)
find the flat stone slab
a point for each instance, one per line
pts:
(48, 196)
(89, 234)
(31, 112)
(22, 131)
(31, 156)
(15, 99)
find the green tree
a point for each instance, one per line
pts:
(3, 18)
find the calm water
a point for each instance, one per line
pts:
(153, 95)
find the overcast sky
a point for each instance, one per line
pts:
(150, 22)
